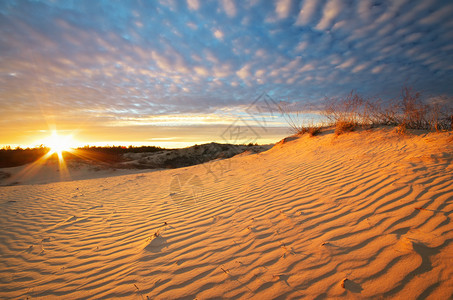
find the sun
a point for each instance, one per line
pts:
(58, 143)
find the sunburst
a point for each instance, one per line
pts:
(58, 143)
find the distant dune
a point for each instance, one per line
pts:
(366, 214)
(104, 162)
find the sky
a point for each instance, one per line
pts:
(176, 73)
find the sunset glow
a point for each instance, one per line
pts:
(226, 149)
(58, 143)
(135, 72)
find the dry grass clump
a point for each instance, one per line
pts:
(417, 114)
(408, 112)
(298, 123)
(312, 130)
(349, 110)
(401, 129)
(344, 126)
(315, 130)
(346, 114)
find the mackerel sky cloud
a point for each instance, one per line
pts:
(108, 62)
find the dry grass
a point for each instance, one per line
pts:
(295, 119)
(298, 123)
(344, 126)
(410, 111)
(315, 130)
(401, 129)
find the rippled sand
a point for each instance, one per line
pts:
(361, 215)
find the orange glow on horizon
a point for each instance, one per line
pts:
(58, 143)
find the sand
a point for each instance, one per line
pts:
(362, 215)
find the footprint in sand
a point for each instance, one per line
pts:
(156, 244)
(351, 286)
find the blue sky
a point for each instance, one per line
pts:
(134, 71)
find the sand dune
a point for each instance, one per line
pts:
(362, 215)
(86, 164)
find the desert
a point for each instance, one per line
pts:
(366, 214)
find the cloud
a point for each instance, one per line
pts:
(201, 71)
(244, 73)
(377, 69)
(413, 37)
(330, 12)
(193, 4)
(229, 7)
(360, 68)
(364, 9)
(438, 16)
(136, 59)
(307, 12)
(346, 64)
(218, 34)
(283, 8)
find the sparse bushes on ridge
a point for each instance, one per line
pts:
(346, 113)
(294, 119)
(314, 130)
(410, 112)
(349, 111)
(344, 126)
(352, 111)
(296, 122)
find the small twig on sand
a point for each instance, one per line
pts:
(139, 291)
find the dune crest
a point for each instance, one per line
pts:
(362, 215)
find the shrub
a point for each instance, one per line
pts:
(410, 111)
(298, 123)
(293, 118)
(344, 126)
(350, 109)
(401, 129)
(314, 130)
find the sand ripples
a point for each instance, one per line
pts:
(314, 217)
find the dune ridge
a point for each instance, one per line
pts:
(106, 162)
(365, 214)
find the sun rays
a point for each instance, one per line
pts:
(58, 143)
(54, 159)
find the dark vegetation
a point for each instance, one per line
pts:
(121, 149)
(110, 154)
(297, 122)
(197, 154)
(120, 156)
(18, 156)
